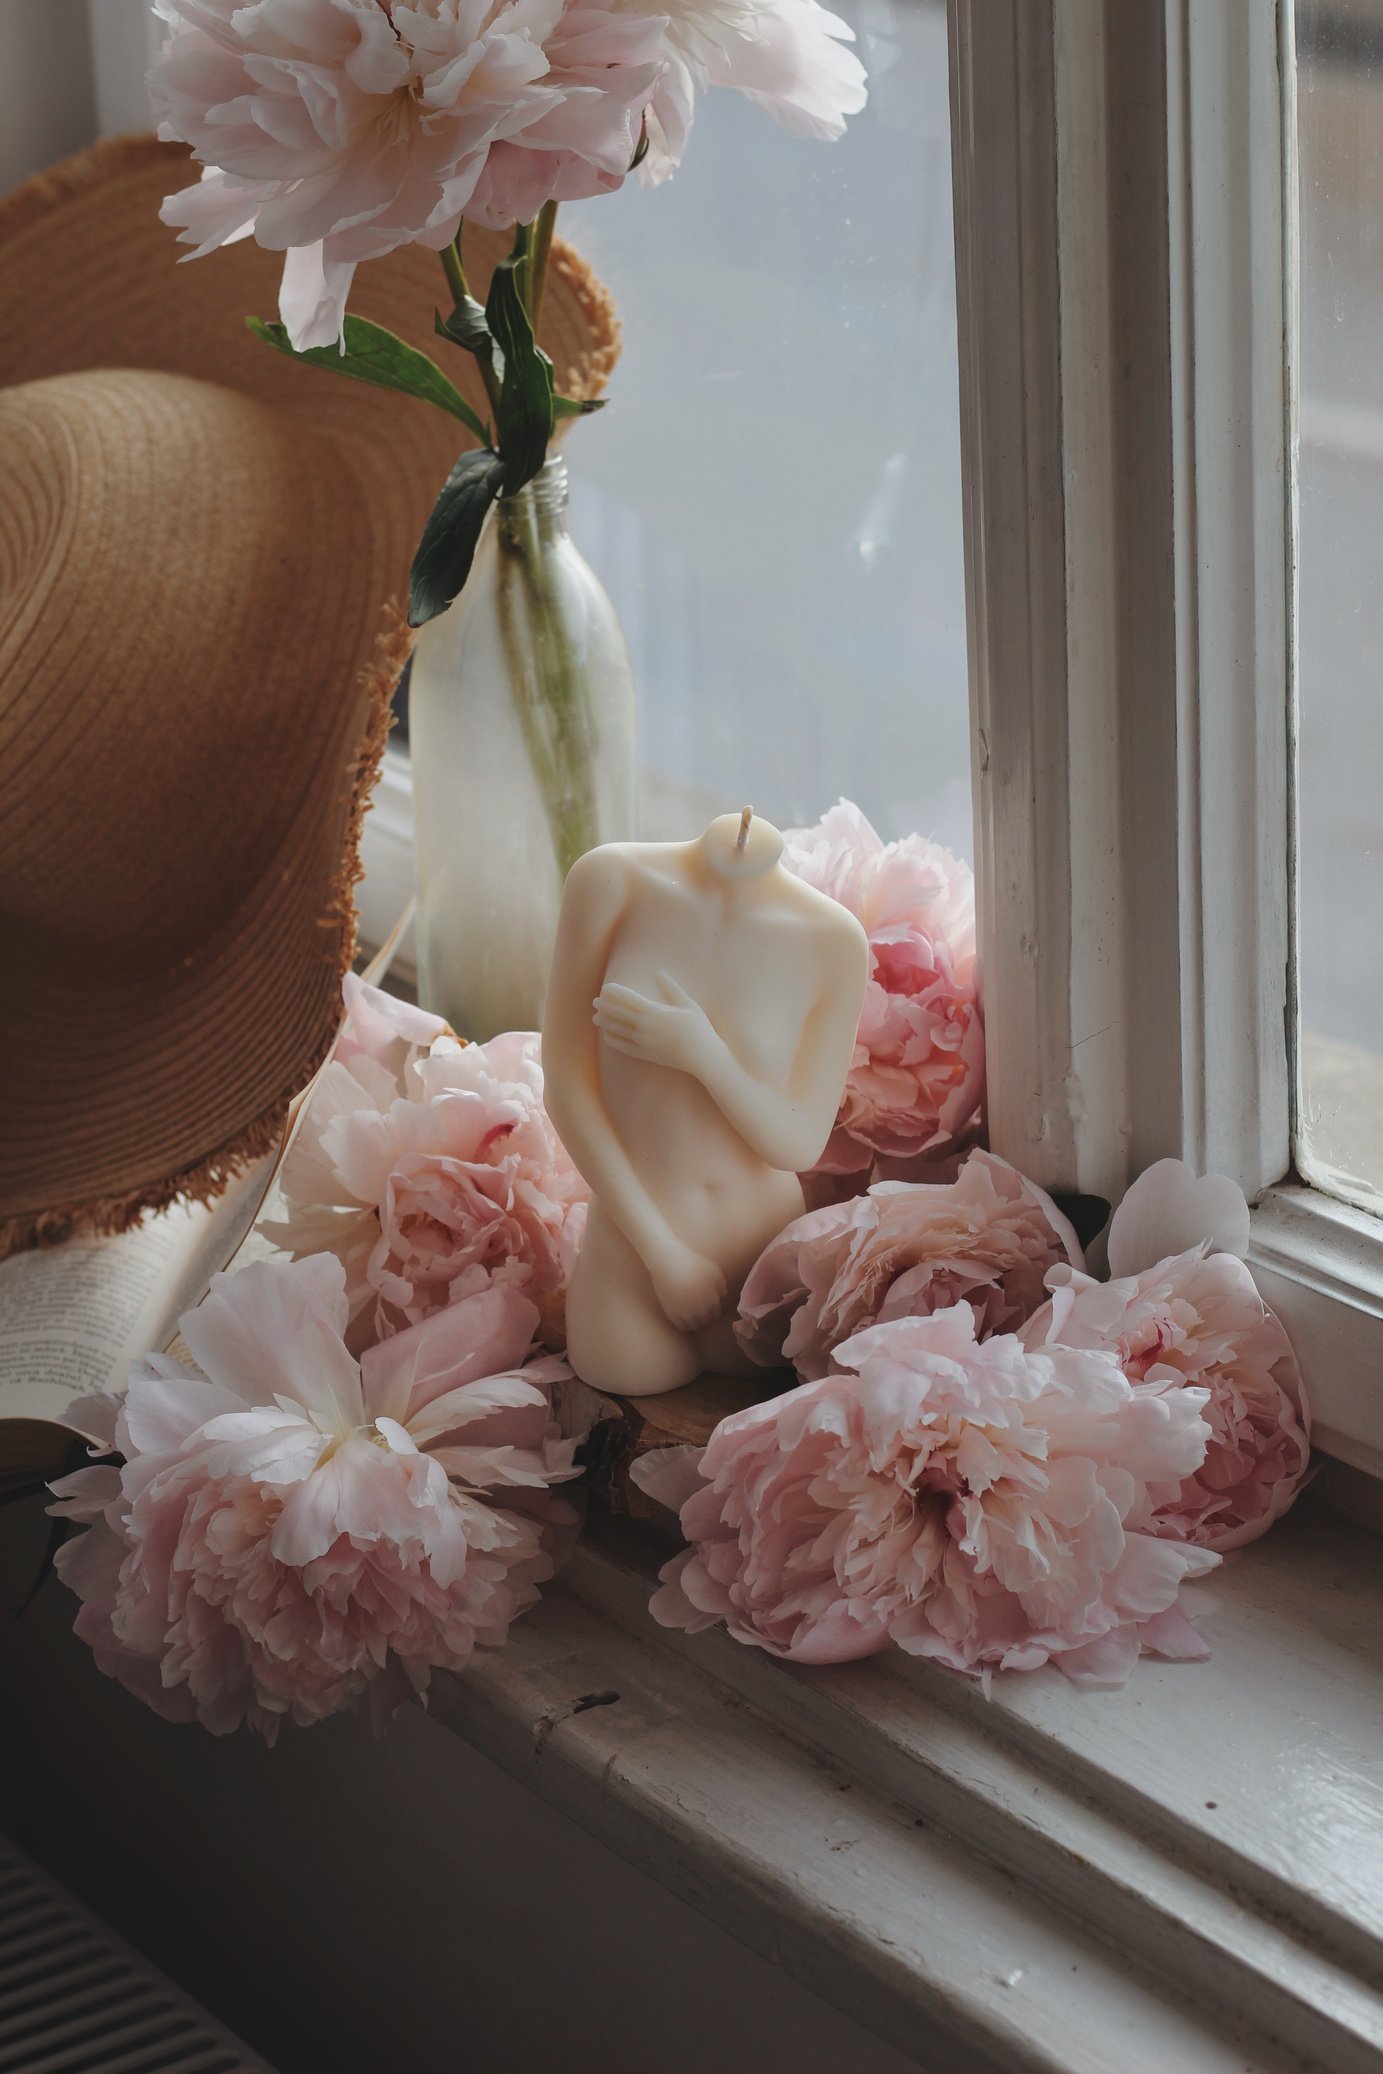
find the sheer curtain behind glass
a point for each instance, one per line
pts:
(773, 495)
(1340, 963)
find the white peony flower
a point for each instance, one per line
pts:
(337, 130)
(334, 131)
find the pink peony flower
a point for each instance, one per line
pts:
(473, 1184)
(602, 64)
(901, 1251)
(392, 1034)
(336, 130)
(973, 1501)
(917, 1077)
(1198, 1319)
(293, 1529)
(787, 56)
(432, 1174)
(371, 1065)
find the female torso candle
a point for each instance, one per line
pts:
(701, 1015)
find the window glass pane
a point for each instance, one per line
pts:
(772, 497)
(1340, 150)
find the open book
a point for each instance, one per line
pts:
(73, 1317)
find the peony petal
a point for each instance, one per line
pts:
(485, 1334)
(795, 65)
(312, 298)
(161, 1409)
(381, 1022)
(271, 1446)
(473, 1401)
(484, 1468)
(400, 1440)
(275, 1329)
(1168, 1210)
(1172, 1635)
(668, 1475)
(671, 1607)
(215, 212)
(1105, 1662)
(347, 1494)
(84, 1495)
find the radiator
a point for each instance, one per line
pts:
(74, 1999)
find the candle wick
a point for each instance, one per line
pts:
(743, 837)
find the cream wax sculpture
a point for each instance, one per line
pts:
(700, 1020)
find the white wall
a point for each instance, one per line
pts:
(374, 1907)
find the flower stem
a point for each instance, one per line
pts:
(455, 272)
(549, 685)
(542, 248)
(521, 249)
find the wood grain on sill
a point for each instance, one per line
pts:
(1212, 1834)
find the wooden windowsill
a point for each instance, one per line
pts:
(1185, 1873)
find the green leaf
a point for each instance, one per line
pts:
(375, 356)
(526, 409)
(447, 548)
(577, 406)
(468, 328)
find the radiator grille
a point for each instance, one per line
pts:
(75, 2000)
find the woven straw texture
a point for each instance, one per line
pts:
(203, 551)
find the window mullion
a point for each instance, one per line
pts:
(1232, 368)
(1119, 233)
(124, 36)
(1030, 147)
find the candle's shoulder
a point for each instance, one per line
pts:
(626, 857)
(609, 864)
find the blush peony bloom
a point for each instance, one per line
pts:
(1198, 1319)
(337, 130)
(392, 1034)
(904, 1250)
(972, 1501)
(433, 1174)
(917, 1077)
(473, 1184)
(372, 1064)
(293, 1529)
(787, 56)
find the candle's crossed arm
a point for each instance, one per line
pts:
(690, 1288)
(786, 1126)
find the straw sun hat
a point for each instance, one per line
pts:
(203, 555)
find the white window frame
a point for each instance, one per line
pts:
(124, 36)
(1125, 212)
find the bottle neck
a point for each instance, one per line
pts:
(540, 505)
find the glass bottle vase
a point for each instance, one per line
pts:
(521, 732)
